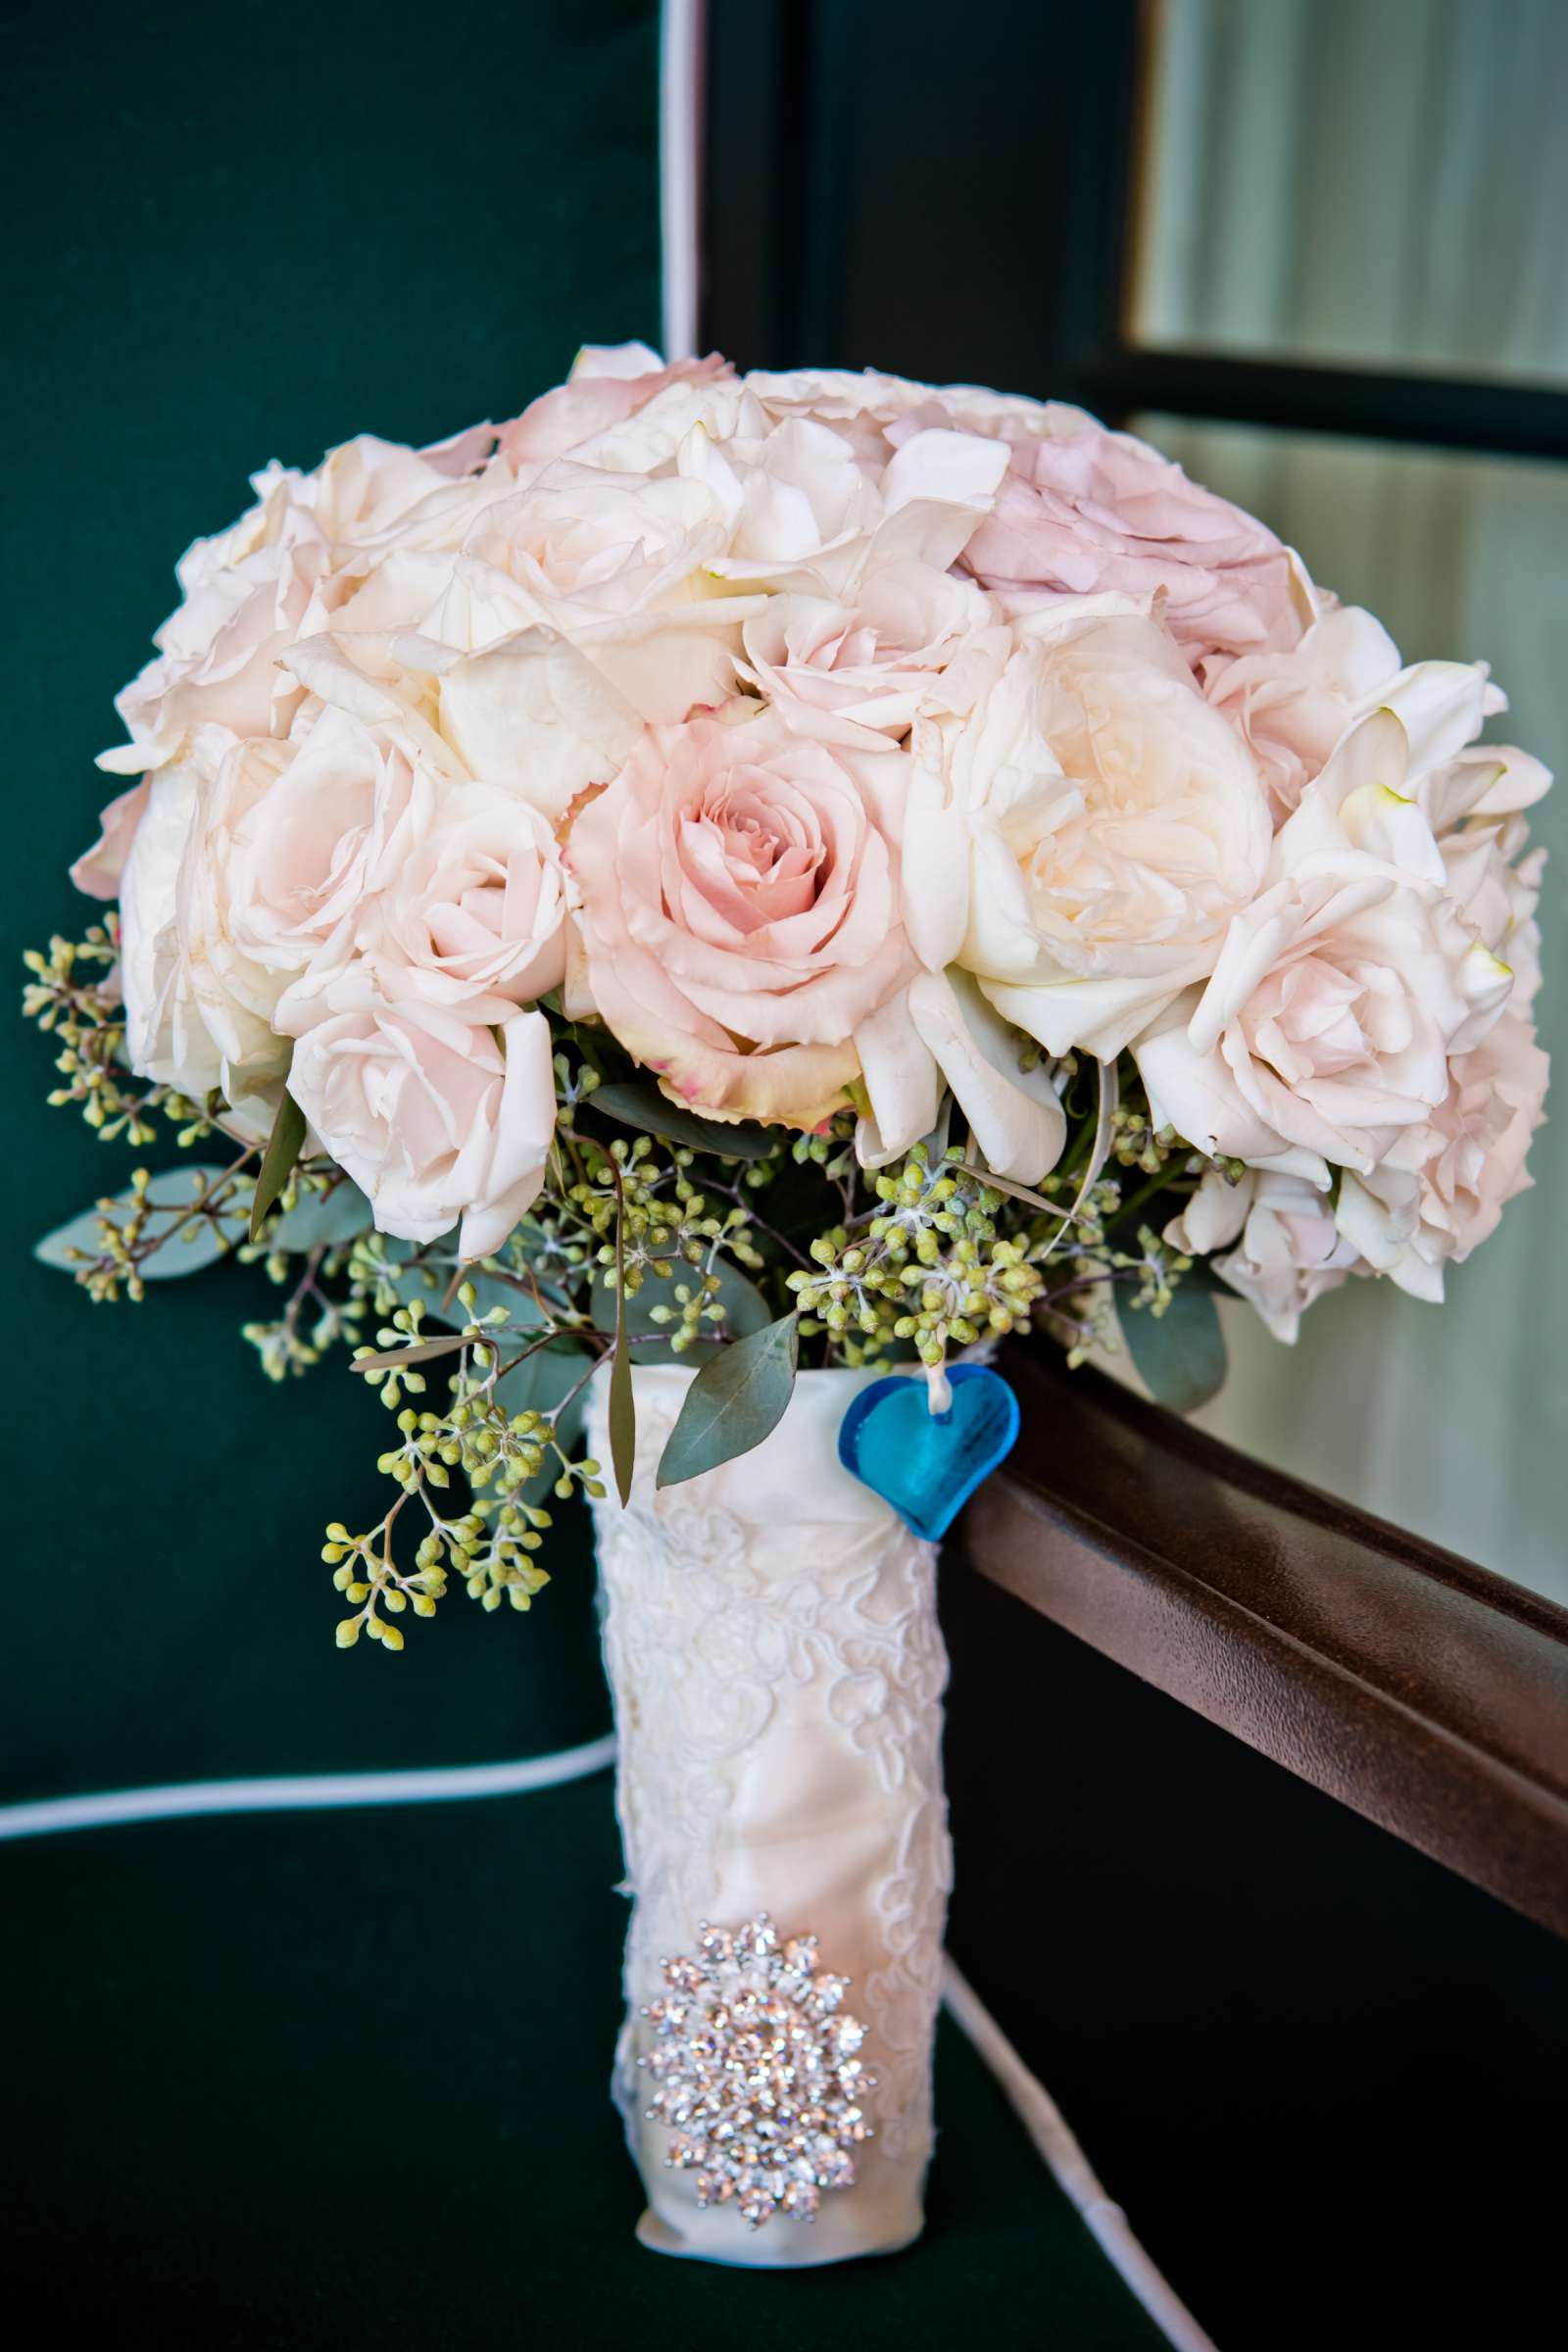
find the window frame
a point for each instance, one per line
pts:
(1424, 1691)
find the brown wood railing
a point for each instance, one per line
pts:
(1424, 1691)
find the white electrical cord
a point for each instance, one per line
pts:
(312, 1791)
(305, 1791)
(1047, 2127)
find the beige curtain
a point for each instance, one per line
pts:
(1386, 180)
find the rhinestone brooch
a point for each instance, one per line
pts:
(756, 2071)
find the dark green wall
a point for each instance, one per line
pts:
(235, 234)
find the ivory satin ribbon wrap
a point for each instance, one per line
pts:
(772, 1645)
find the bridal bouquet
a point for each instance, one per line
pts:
(704, 902)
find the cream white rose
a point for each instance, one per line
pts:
(1081, 842)
(365, 541)
(1278, 1244)
(305, 832)
(806, 510)
(1340, 993)
(906, 641)
(623, 410)
(438, 1121)
(198, 1009)
(1475, 806)
(1443, 1188)
(477, 909)
(1294, 708)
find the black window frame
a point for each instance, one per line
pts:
(1005, 181)
(977, 224)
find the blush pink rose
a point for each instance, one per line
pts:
(364, 541)
(1294, 708)
(477, 911)
(438, 1121)
(1443, 1188)
(740, 887)
(1339, 996)
(97, 871)
(300, 836)
(1083, 509)
(878, 657)
(1291, 707)
(608, 387)
(583, 545)
(1279, 1245)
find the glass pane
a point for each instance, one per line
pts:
(1376, 182)
(1451, 1420)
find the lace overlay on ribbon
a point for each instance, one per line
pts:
(771, 1640)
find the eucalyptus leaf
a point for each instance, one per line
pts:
(737, 1400)
(632, 1104)
(1181, 1354)
(283, 1148)
(421, 1353)
(323, 1220)
(746, 1311)
(540, 1382)
(175, 1188)
(623, 1407)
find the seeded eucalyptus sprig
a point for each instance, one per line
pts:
(659, 1236)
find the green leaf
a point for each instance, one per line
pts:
(622, 1411)
(176, 1188)
(746, 1311)
(1181, 1354)
(542, 1380)
(323, 1220)
(421, 1353)
(735, 1400)
(644, 1108)
(277, 1160)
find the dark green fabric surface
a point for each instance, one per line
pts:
(340, 2079)
(233, 235)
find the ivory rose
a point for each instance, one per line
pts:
(622, 409)
(941, 1031)
(1081, 841)
(307, 550)
(1443, 1187)
(439, 1123)
(305, 833)
(198, 1009)
(245, 596)
(1282, 1250)
(1294, 708)
(1340, 993)
(740, 910)
(806, 510)
(1083, 511)
(1474, 804)
(878, 658)
(98, 871)
(477, 911)
(581, 546)
(580, 611)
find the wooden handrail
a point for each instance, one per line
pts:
(1427, 1693)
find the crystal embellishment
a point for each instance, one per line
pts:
(756, 2071)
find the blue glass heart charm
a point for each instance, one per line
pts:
(927, 1464)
